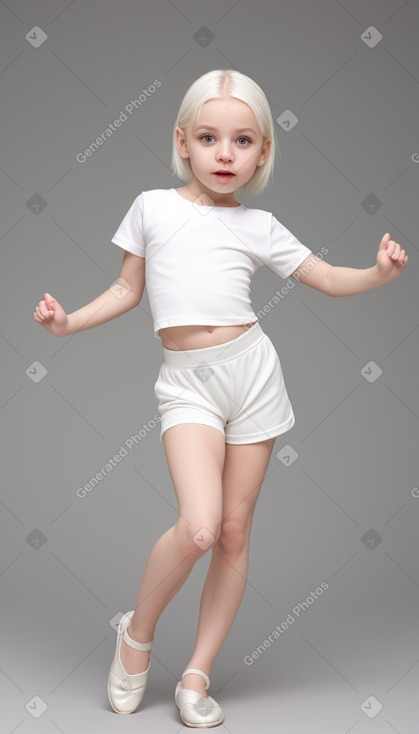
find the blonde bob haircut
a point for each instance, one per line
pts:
(219, 84)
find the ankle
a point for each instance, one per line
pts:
(194, 682)
(138, 636)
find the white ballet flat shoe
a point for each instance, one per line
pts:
(196, 710)
(125, 691)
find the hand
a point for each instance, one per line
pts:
(391, 259)
(51, 316)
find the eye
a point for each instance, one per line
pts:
(208, 135)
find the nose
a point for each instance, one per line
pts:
(224, 151)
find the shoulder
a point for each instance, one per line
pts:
(153, 201)
(151, 195)
(268, 216)
(255, 214)
(155, 194)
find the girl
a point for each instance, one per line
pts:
(221, 392)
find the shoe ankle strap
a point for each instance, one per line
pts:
(198, 672)
(142, 646)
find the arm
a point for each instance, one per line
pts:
(120, 297)
(341, 281)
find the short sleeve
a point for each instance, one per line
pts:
(129, 234)
(286, 253)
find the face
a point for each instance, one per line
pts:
(225, 136)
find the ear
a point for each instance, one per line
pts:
(181, 142)
(264, 153)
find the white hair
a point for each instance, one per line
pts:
(219, 84)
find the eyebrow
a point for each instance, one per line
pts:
(239, 130)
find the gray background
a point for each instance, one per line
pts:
(345, 511)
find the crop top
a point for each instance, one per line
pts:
(199, 259)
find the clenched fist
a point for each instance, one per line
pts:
(51, 316)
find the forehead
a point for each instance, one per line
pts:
(226, 113)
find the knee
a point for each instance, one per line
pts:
(233, 537)
(199, 536)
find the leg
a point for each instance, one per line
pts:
(195, 457)
(244, 471)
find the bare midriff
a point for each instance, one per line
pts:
(197, 337)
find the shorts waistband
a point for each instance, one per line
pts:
(216, 353)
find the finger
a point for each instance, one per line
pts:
(42, 310)
(402, 259)
(49, 300)
(45, 311)
(391, 247)
(396, 251)
(384, 241)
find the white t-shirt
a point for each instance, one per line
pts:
(200, 259)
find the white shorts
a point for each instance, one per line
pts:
(237, 387)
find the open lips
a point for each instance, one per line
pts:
(224, 175)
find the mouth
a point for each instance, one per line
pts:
(224, 175)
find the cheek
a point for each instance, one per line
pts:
(250, 159)
(201, 157)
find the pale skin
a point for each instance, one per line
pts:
(216, 484)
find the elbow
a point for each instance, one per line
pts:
(135, 297)
(333, 293)
(124, 292)
(136, 300)
(128, 300)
